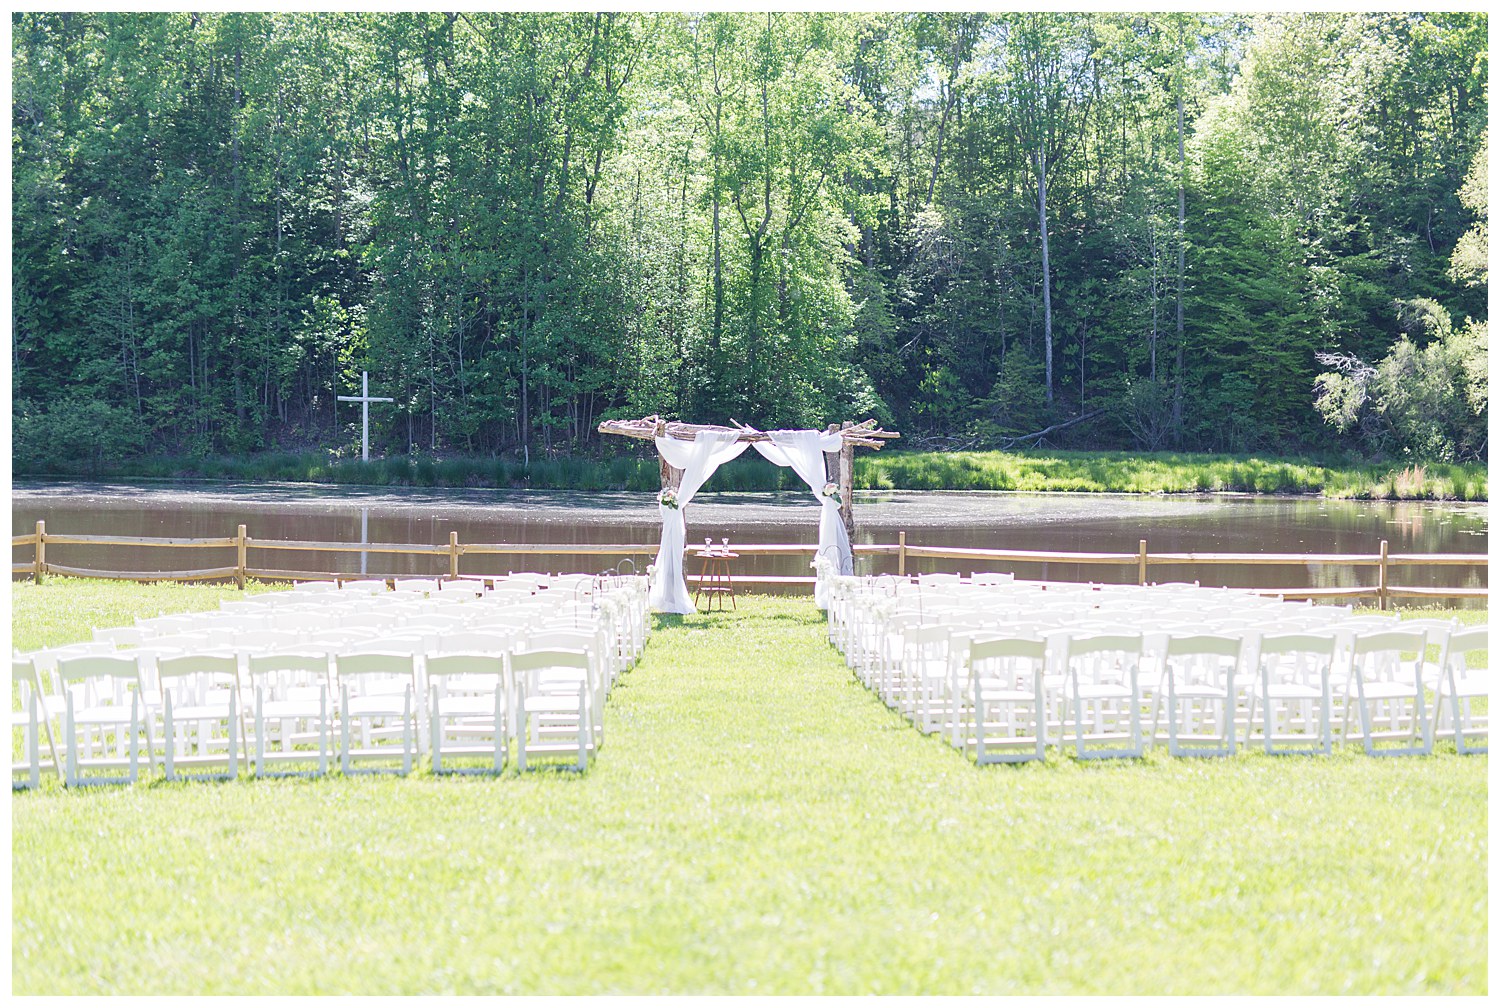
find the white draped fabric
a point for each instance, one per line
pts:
(803, 451)
(697, 459)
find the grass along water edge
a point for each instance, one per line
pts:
(758, 822)
(1032, 471)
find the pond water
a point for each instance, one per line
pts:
(1052, 522)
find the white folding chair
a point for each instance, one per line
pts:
(554, 720)
(377, 714)
(27, 716)
(1199, 703)
(1102, 689)
(200, 714)
(104, 718)
(315, 587)
(293, 712)
(1005, 682)
(364, 586)
(469, 699)
(562, 678)
(924, 675)
(1388, 690)
(992, 578)
(1464, 679)
(1293, 690)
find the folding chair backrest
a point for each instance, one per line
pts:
(366, 587)
(1324, 644)
(589, 642)
(118, 636)
(475, 642)
(100, 679)
(314, 587)
(25, 685)
(992, 578)
(528, 665)
(1382, 655)
(375, 663)
(1404, 641)
(1098, 657)
(441, 668)
(216, 664)
(1463, 643)
(287, 668)
(983, 649)
(1087, 644)
(268, 641)
(370, 673)
(1204, 644)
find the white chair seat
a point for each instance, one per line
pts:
(107, 714)
(381, 705)
(301, 707)
(1101, 691)
(467, 706)
(544, 704)
(1389, 691)
(197, 712)
(1289, 691)
(1471, 686)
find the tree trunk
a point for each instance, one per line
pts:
(1181, 242)
(1041, 205)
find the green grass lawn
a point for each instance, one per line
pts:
(758, 822)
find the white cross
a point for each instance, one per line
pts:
(364, 399)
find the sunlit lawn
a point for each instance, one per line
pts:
(757, 822)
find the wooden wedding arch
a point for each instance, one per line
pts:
(839, 465)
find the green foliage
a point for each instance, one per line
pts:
(1166, 472)
(758, 823)
(522, 223)
(1427, 402)
(79, 435)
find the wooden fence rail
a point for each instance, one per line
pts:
(1141, 560)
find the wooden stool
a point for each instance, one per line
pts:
(715, 579)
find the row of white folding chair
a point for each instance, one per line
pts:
(147, 659)
(913, 690)
(108, 728)
(1104, 700)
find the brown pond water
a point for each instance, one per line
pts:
(1054, 522)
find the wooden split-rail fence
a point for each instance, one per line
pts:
(1140, 561)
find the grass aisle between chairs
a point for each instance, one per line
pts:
(758, 822)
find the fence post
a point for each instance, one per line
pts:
(1141, 568)
(40, 563)
(239, 559)
(901, 554)
(1385, 553)
(846, 483)
(453, 555)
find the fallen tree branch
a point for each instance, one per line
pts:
(1012, 442)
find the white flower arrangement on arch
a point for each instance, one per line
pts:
(668, 499)
(831, 491)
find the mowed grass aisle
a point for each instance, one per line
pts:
(759, 823)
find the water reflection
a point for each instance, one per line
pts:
(1046, 522)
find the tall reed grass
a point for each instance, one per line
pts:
(1069, 472)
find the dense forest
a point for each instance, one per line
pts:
(1200, 232)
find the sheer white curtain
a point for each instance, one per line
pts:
(697, 459)
(803, 451)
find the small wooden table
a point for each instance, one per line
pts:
(715, 579)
